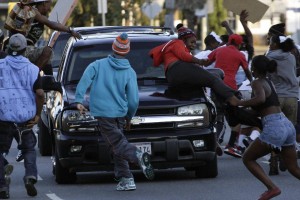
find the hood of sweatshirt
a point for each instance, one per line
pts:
(16, 62)
(118, 63)
(278, 54)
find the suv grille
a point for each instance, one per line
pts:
(156, 111)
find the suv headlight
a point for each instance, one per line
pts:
(194, 110)
(73, 121)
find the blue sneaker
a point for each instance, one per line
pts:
(126, 184)
(144, 163)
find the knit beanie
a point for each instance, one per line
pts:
(121, 45)
(184, 32)
(277, 29)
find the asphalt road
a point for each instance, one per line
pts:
(234, 182)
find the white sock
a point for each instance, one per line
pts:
(254, 134)
(240, 140)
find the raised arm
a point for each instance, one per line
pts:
(56, 26)
(243, 19)
(225, 24)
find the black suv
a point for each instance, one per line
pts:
(174, 125)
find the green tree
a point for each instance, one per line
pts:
(215, 18)
(86, 12)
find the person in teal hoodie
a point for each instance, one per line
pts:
(113, 101)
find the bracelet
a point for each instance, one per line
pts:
(70, 29)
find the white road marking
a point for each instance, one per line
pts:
(53, 196)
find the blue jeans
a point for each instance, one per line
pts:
(123, 152)
(26, 144)
(278, 131)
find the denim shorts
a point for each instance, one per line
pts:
(278, 131)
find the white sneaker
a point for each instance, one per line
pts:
(126, 184)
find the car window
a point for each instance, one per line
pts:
(138, 57)
(58, 49)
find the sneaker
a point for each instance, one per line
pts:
(144, 163)
(247, 141)
(20, 156)
(270, 194)
(29, 185)
(8, 169)
(232, 151)
(126, 184)
(4, 193)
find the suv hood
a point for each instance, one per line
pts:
(149, 94)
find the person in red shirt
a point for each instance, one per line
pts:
(229, 59)
(182, 68)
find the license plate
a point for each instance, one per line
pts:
(144, 147)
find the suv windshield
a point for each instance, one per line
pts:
(138, 56)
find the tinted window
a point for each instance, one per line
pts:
(139, 59)
(58, 49)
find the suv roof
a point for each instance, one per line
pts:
(58, 39)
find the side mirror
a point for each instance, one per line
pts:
(49, 83)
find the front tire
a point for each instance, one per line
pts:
(44, 139)
(63, 175)
(210, 170)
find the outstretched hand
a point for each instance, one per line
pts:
(127, 124)
(76, 34)
(225, 24)
(243, 16)
(81, 108)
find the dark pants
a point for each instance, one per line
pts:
(183, 73)
(26, 144)
(123, 152)
(237, 115)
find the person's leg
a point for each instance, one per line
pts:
(6, 137)
(2, 179)
(27, 146)
(188, 73)
(39, 56)
(112, 132)
(289, 157)
(258, 149)
(123, 151)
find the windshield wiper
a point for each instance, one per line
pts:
(151, 78)
(73, 82)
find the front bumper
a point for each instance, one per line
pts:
(165, 152)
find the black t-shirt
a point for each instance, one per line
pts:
(35, 32)
(2, 54)
(38, 83)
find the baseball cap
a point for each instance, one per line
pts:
(235, 39)
(16, 44)
(121, 44)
